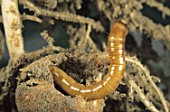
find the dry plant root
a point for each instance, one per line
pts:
(143, 98)
(12, 25)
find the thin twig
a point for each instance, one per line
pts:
(46, 37)
(62, 15)
(153, 3)
(27, 17)
(146, 72)
(90, 41)
(32, 18)
(143, 98)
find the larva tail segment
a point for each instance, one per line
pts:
(111, 80)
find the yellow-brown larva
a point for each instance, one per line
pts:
(110, 81)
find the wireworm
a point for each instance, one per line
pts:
(110, 81)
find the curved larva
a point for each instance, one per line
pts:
(111, 80)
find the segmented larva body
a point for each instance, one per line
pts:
(110, 81)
